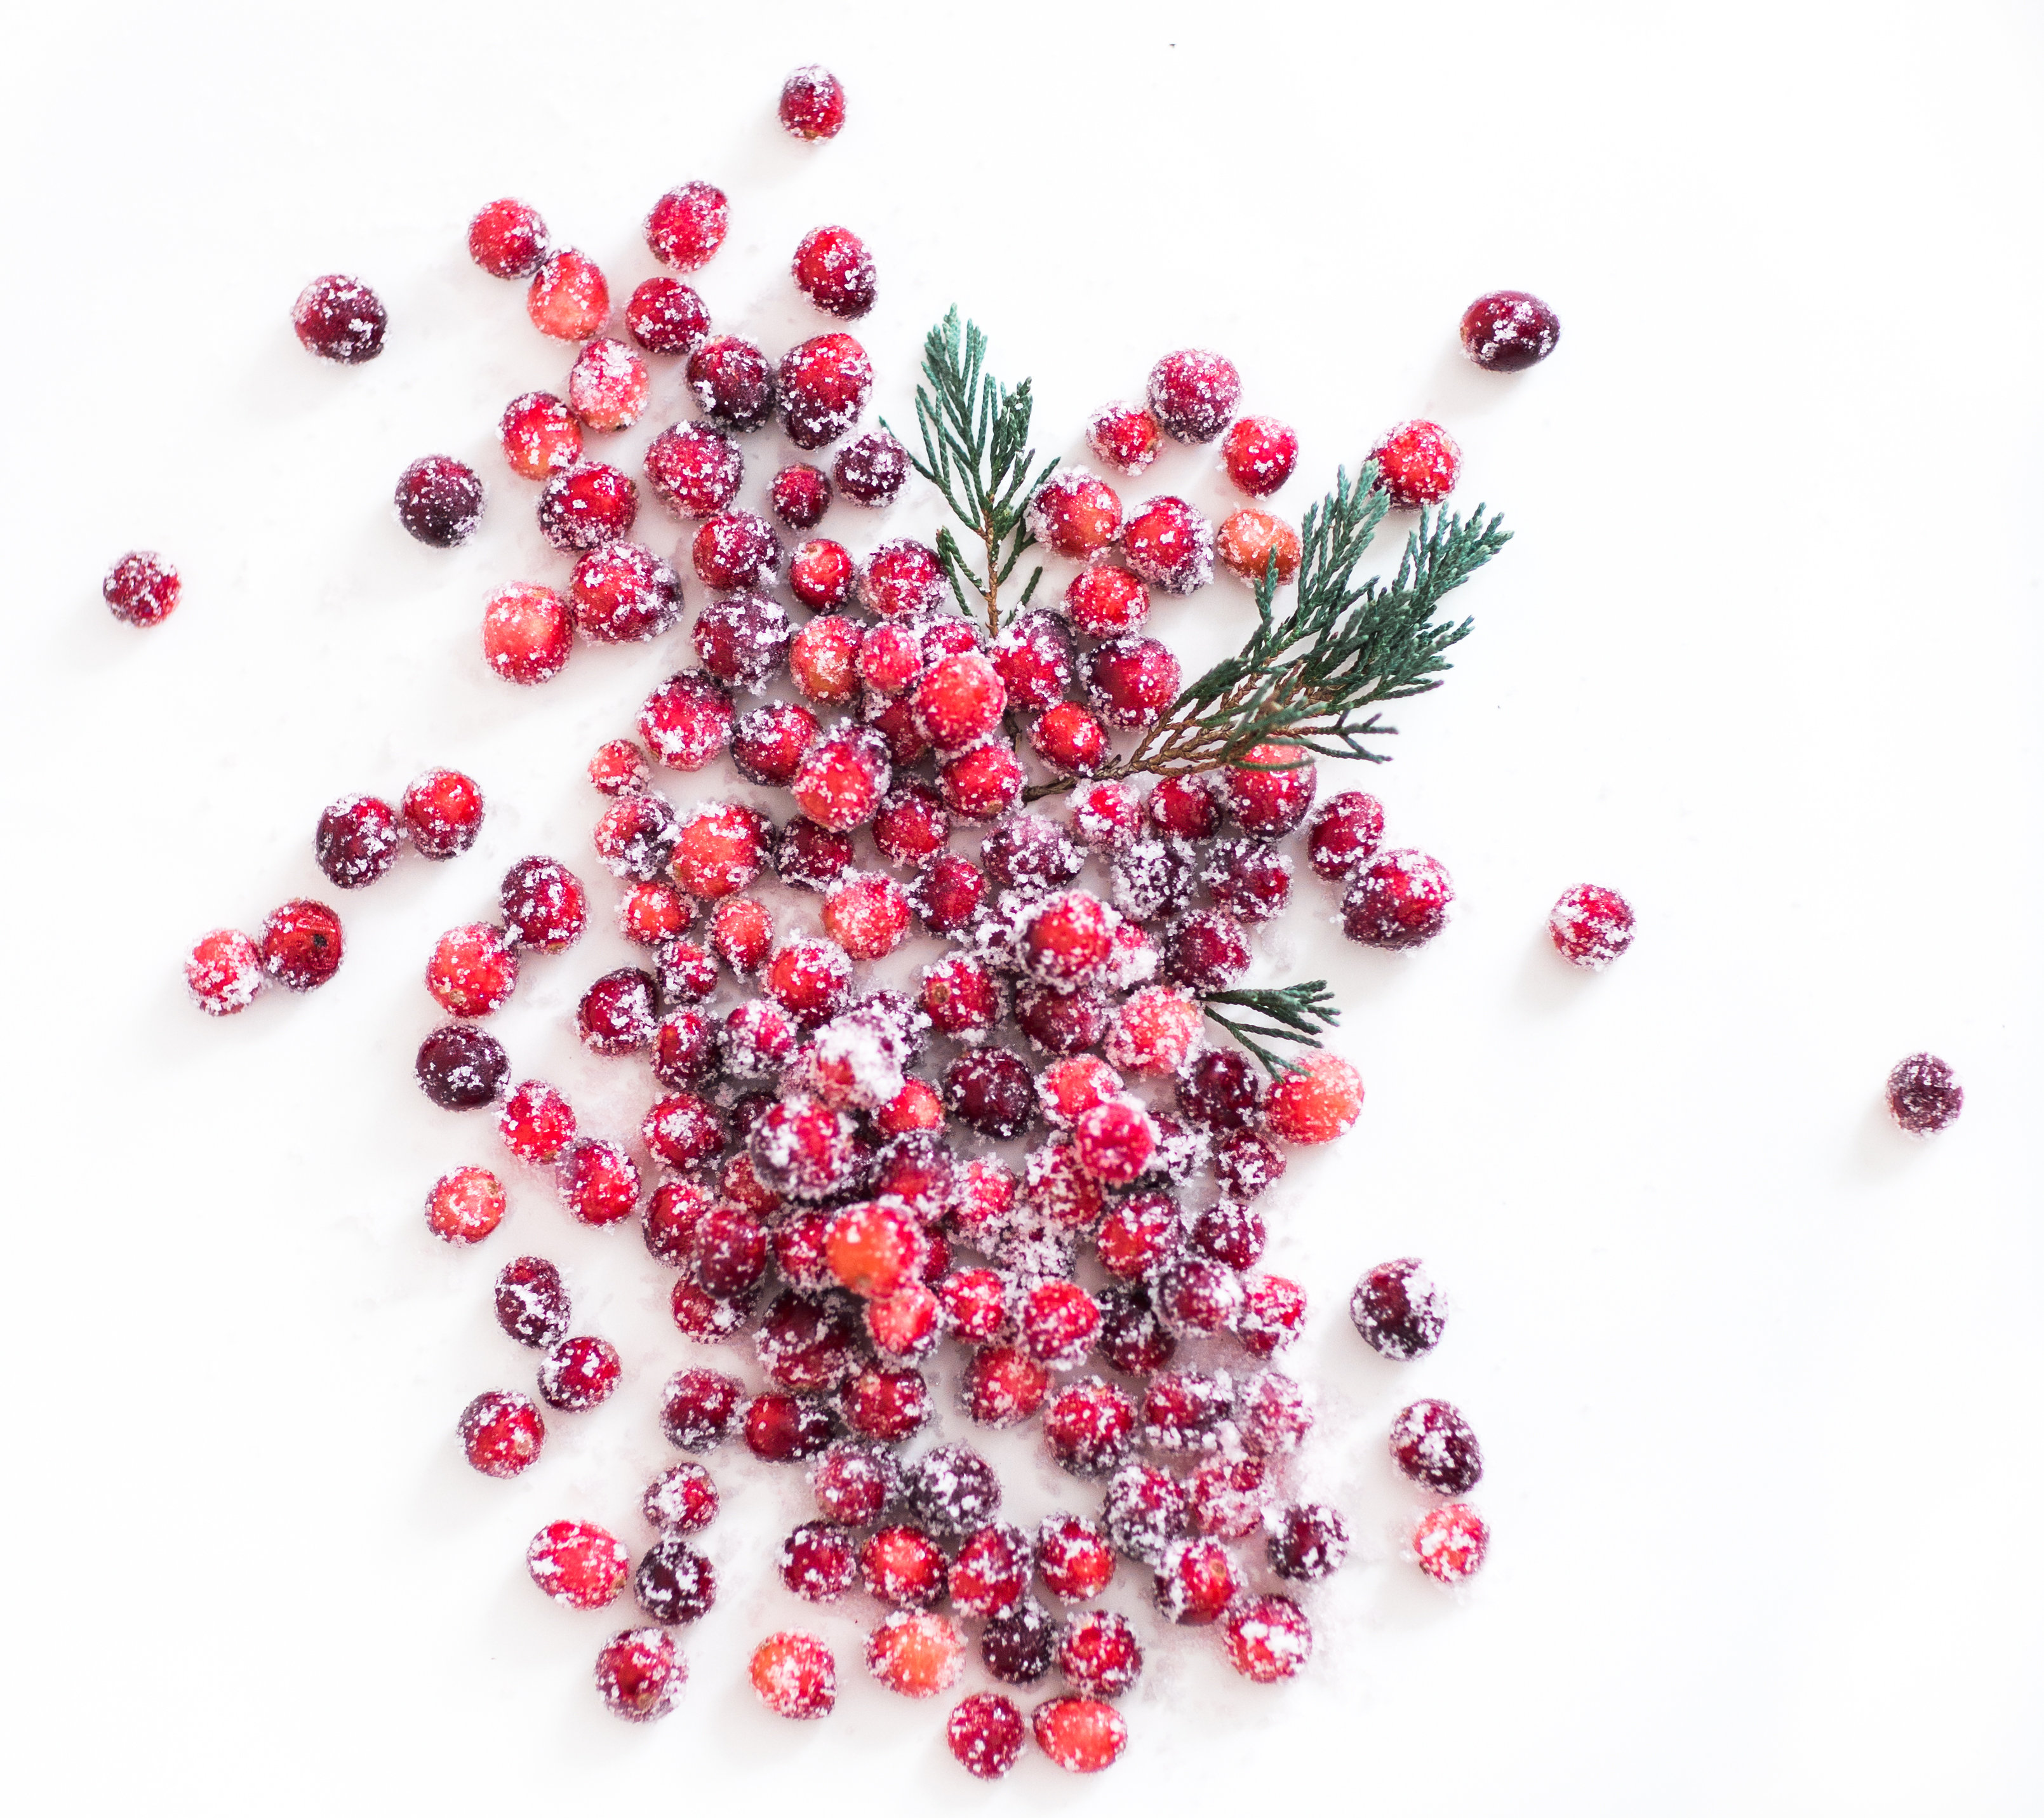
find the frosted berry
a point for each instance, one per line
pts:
(577, 1563)
(665, 316)
(1345, 831)
(699, 1315)
(1273, 1313)
(1133, 681)
(543, 905)
(1184, 1410)
(1133, 1339)
(1398, 1310)
(1030, 853)
(960, 700)
(578, 1374)
(1184, 807)
(1153, 1031)
(1114, 1141)
(902, 1566)
(465, 1206)
(1417, 463)
(635, 837)
(812, 105)
(824, 384)
(461, 1068)
(985, 1734)
(473, 970)
(532, 1301)
(1075, 1556)
(1002, 1386)
(639, 1674)
(1590, 926)
(608, 385)
(1057, 1321)
(651, 913)
(1506, 331)
(1104, 601)
(356, 841)
(768, 743)
(1307, 1542)
(1251, 878)
(1316, 1101)
(442, 812)
(687, 225)
(1195, 1581)
(1020, 1647)
(339, 319)
(687, 721)
(1075, 513)
(1192, 395)
(843, 780)
(887, 1404)
(795, 1675)
(1106, 816)
(588, 504)
(780, 1428)
(528, 633)
(917, 1655)
(1082, 1736)
(799, 495)
(1035, 658)
(1399, 899)
(951, 1490)
(1267, 1638)
(807, 857)
(910, 828)
(741, 933)
(501, 1432)
(1248, 541)
(1259, 454)
(1099, 1655)
(1171, 544)
(1449, 1543)
(694, 469)
(1269, 792)
(854, 1482)
(682, 1500)
(1205, 951)
(1923, 1094)
(617, 1012)
(537, 1122)
(992, 1090)
(141, 588)
(1436, 1447)
(1123, 438)
(301, 945)
(1228, 1233)
(680, 1130)
(1138, 1235)
(701, 1408)
(732, 382)
(1228, 1496)
(834, 270)
(901, 578)
(736, 549)
(569, 297)
(984, 783)
(539, 434)
(675, 1583)
(870, 470)
(507, 238)
(439, 501)
(1091, 1426)
(1220, 1088)
(948, 894)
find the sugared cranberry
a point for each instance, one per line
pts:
(682, 1130)
(356, 841)
(578, 1374)
(824, 384)
(741, 933)
(809, 1346)
(855, 1482)
(1020, 1647)
(1153, 1031)
(1398, 900)
(465, 1206)
(701, 1315)
(1417, 463)
(1436, 1447)
(1228, 1233)
(1205, 951)
(951, 1490)
(1133, 681)
(1184, 807)
(1082, 1736)
(1260, 453)
(1035, 659)
(1316, 1101)
(901, 578)
(339, 319)
(1923, 1094)
(916, 1653)
(608, 385)
(1192, 395)
(588, 504)
(683, 1499)
(1091, 1426)
(528, 633)
(665, 316)
(537, 1122)
(887, 1404)
(1154, 877)
(1267, 1638)
(532, 1301)
(985, 1734)
(1002, 1386)
(1273, 1414)
(1171, 544)
(960, 700)
(617, 1013)
(543, 905)
(1184, 1410)
(473, 970)
(984, 783)
(501, 1432)
(719, 850)
(1449, 1543)
(569, 297)
(1142, 1233)
(1228, 1496)
(1058, 1321)
(1218, 1088)
(799, 496)
(992, 1090)
(700, 1408)
(843, 780)
(461, 1067)
(442, 812)
(1197, 1296)
(1123, 438)
(1307, 1542)
(782, 1429)
(1251, 878)
(694, 469)
(439, 501)
(507, 238)
(914, 1107)
(1106, 602)
(795, 1675)
(639, 1674)
(732, 382)
(1075, 1556)
(539, 436)
(768, 743)
(819, 1562)
(1269, 791)
(1344, 833)
(687, 225)
(1273, 1314)
(1506, 331)
(743, 640)
(675, 1583)
(1075, 513)
(736, 549)
(687, 721)
(649, 914)
(141, 588)
(812, 103)
(301, 945)
(635, 837)
(1590, 926)
(577, 1563)
(1106, 816)
(669, 1221)
(902, 1566)
(834, 270)
(870, 470)
(948, 894)
(1398, 1310)
(1099, 1655)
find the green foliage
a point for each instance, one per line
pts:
(1294, 1013)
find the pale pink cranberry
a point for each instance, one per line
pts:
(834, 270)
(732, 382)
(1451, 1543)
(1417, 463)
(539, 434)
(141, 588)
(568, 298)
(1075, 513)
(339, 319)
(639, 1674)
(1192, 395)
(824, 384)
(1590, 926)
(1171, 544)
(1123, 438)
(687, 225)
(812, 105)
(1248, 541)
(508, 239)
(694, 469)
(528, 633)
(624, 594)
(665, 316)
(224, 972)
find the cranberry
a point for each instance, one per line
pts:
(834, 270)
(1124, 438)
(569, 297)
(1307, 1542)
(543, 905)
(528, 633)
(442, 812)
(736, 549)
(339, 319)
(819, 1562)
(682, 1130)
(687, 721)
(694, 469)
(1269, 791)
(768, 743)
(719, 850)
(1206, 952)
(910, 828)
(532, 1301)
(1228, 1495)
(1318, 1099)
(1141, 1234)
(785, 1429)
(1923, 1094)
(983, 783)
(1399, 899)
(1075, 513)
(1449, 1543)
(465, 1206)
(810, 979)
(472, 971)
(992, 1090)
(741, 931)
(985, 1734)
(1067, 1199)
(799, 496)
(701, 1315)
(808, 857)
(649, 914)
(1075, 1556)
(578, 1374)
(901, 578)
(1171, 544)
(1399, 1311)
(1098, 1654)
(888, 1405)
(960, 700)
(915, 1653)
(1590, 926)
(795, 1675)
(732, 382)
(539, 436)
(501, 1432)
(870, 470)
(461, 1068)
(948, 894)
(635, 837)
(356, 841)
(1104, 601)
(812, 103)
(682, 1500)
(665, 316)
(669, 1223)
(854, 1482)
(1154, 877)
(914, 1107)
(1229, 1233)
(902, 1566)
(1035, 660)
(951, 1490)
(1506, 331)
(301, 945)
(1153, 1031)
(1259, 454)
(537, 1122)
(1344, 833)
(1273, 1314)
(1021, 1648)
(1417, 463)
(674, 1583)
(578, 1564)
(1058, 1321)
(608, 385)
(1218, 1088)
(1184, 1410)
(508, 239)
(809, 1346)
(1436, 1447)
(824, 384)
(1184, 807)
(1250, 878)
(1133, 681)
(1192, 395)
(1105, 817)
(141, 588)
(1091, 1426)
(639, 1673)
(1002, 1386)
(843, 780)
(700, 1408)
(1267, 1638)
(687, 225)
(1082, 1736)
(588, 504)
(439, 501)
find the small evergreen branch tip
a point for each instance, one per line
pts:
(1295, 1013)
(975, 434)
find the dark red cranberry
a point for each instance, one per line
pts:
(675, 1583)
(1145, 1510)
(1219, 1090)
(532, 1301)
(834, 271)
(1154, 877)
(700, 1408)
(439, 501)
(1229, 1233)
(616, 1014)
(742, 639)
(639, 1674)
(768, 743)
(301, 945)
(501, 1432)
(339, 319)
(1398, 1310)
(694, 469)
(948, 894)
(824, 383)
(635, 837)
(1251, 878)
(669, 1222)
(1590, 926)
(1032, 853)
(1506, 331)
(461, 1067)
(543, 905)
(356, 841)
(666, 316)
(812, 103)
(442, 812)
(1435, 1446)
(1192, 395)
(807, 1346)
(569, 297)
(1091, 1427)
(508, 239)
(1061, 1022)
(1020, 1646)
(577, 1374)
(1398, 899)
(870, 470)
(732, 382)
(781, 1428)
(141, 588)
(686, 721)
(819, 1562)
(687, 225)
(589, 504)
(1344, 833)
(1098, 1654)
(1307, 1542)
(992, 1090)
(951, 1490)
(1198, 1298)
(1133, 681)
(1923, 1094)
(1133, 1339)
(1205, 951)
(799, 495)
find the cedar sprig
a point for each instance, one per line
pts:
(975, 434)
(1295, 1013)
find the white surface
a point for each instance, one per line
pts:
(1756, 1378)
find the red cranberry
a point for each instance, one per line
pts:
(339, 319)
(616, 1014)
(1435, 1446)
(1058, 1321)
(807, 857)
(356, 841)
(1184, 807)
(1106, 816)
(578, 1374)
(1091, 1427)
(1082, 1736)
(736, 549)
(472, 971)
(810, 979)
(675, 1583)
(608, 385)
(1267, 1638)
(1260, 453)
(141, 588)
(569, 297)
(914, 1107)
(1228, 1233)
(537, 1122)
(855, 1482)
(687, 225)
(843, 780)
(768, 743)
(1020, 1647)
(1273, 1314)
(1123, 438)
(639, 1673)
(439, 501)
(1417, 463)
(543, 905)
(680, 1130)
(578, 1564)
(625, 593)
(1451, 1543)
(795, 1675)
(1075, 513)
(1002, 1386)
(834, 271)
(823, 657)
(916, 1653)
(870, 470)
(983, 783)
(635, 837)
(1032, 853)
(461, 1068)
(1184, 1410)
(1153, 1031)
(1205, 951)
(1198, 1298)
(1272, 1414)
(825, 383)
(1345, 831)
(1075, 1556)
(442, 812)
(589, 504)
(508, 239)
(1590, 926)
(1218, 1088)
(1923, 1094)
(1399, 1311)
(901, 578)
(465, 1206)
(887, 1404)
(686, 721)
(528, 633)
(1154, 877)
(743, 640)
(1269, 791)
(701, 1408)
(948, 894)
(732, 382)
(539, 436)
(1249, 543)
(1141, 1234)
(985, 1734)
(1307, 1542)
(1099, 1655)
(741, 931)
(910, 828)
(694, 469)
(665, 316)
(1398, 900)
(1228, 1495)
(809, 1346)
(799, 495)
(1318, 1099)
(1192, 395)
(1250, 878)
(719, 850)
(1133, 681)
(682, 1500)
(819, 1562)
(301, 945)
(785, 1429)
(669, 1224)
(951, 1490)
(1105, 601)
(532, 1301)
(1171, 544)
(813, 103)
(501, 1432)
(992, 1090)
(1506, 331)
(651, 913)
(701, 1315)
(903, 1566)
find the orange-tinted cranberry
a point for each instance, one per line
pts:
(1082, 1736)
(1248, 541)
(916, 1653)
(569, 297)
(795, 1675)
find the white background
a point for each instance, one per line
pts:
(1756, 1377)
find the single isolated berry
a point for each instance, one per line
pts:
(639, 1673)
(795, 1675)
(1316, 1101)
(141, 588)
(683, 1499)
(462, 1068)
(1506, 331)
(1307, 1542)
(578, 1564)
(501, 1432)
(1417, 463)
(813, 103)
(528, 633)
(339, 319)
(1398, 1310)
(1923, 1094)
(532, 1301)
(1436, 1447)
(508, 239)
(1449, 1543)
(1590, 926)
(439, 501)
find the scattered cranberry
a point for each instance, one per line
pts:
(501, 1432)
(1435, 1446)
(532, 1301)
(1075, 1556)
(1145, 1510)
(543, 905)
(1345, 831)
(902, 1566)
(1123, 438)
(819, 1562)
(1923, 1094)
(834, 271)
(587, 505)
(578, 1374)
(694, 469)
(687, 225)
(1260, 453)
(917, 1655)
(301, 945)
(1020, 1647)
(539, 436)
(795, 1675)
(948, 894)
(1075, 513)
(854, 1482)
(442, 812)
(732, 382)
(665, 316)
(1267, 1638)
(1449, 1543)
(439, 501)
(682, 1500)
(639, 1673)
(1106, 816)
(813, 103)
(701, 1408)
(843, 780)
(1218, 1088)
(799, 496)
(508, 239)
(1268, 791)
(1399, 899)
(339, 319)
(984, 783)
(1082, 1736)
(356, 841)
(1590, 926)
(687, 721)
(870, 470)
(537, 1122)
(1506, 331)
(985, 1734)
(780, 1428)
(736, 549)
(1317, 1101)
(1105, 601)
(1205, 951)
(1399, 1311)
(569, 297)
(472, 971)
(578, 1564)
(888, 1405)
(465, 1206)
(141, 588)
(824, 384)
(1171, 544)
(951, 1490)
(1099, 1655)
(650, 914)
(1153, 1031)
(675, 1583)
(1248, 541)
(528, 633)
(1228, 1496)
(1133, 681)
(1417, 463)
(462, 1068)
(1193, 393)
(1307, 1542)
(901, 578)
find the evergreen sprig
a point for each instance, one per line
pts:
(975, 434)
(1292, 1013)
